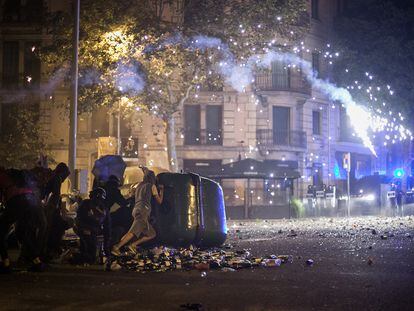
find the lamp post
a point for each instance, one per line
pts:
(347, 165)
(119, 129)
(73, 126)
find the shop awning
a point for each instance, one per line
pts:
(254, 169)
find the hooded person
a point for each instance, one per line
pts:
(141, 229)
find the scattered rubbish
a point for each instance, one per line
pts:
(292, 233)
(228, 270)
(384, 237)
(272, 262)
(309, 262)
(162, 259)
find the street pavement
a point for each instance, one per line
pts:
(358, 264)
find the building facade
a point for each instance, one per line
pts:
(280, 119)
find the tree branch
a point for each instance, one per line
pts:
(187, 94)
(170, 93)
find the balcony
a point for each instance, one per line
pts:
(288, 82)
(210, 87)
(203, 137)
(269, 139)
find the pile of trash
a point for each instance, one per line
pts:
(162, 259)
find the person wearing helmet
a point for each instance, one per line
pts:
(141, 229)
(89, 221)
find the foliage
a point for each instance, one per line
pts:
(377, 37)
(21, 143)
(140, 52)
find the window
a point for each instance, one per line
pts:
(31, 65)
(316, 123)
(192, 125)
(315, 64)
(100, 123)
(125, 129)
(22, 10)
(280, 75)
(11, 11)
(281, 125)
(315, 9)
(194, 134)
(214, 125)
(10, 64)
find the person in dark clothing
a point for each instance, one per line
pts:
(90, 218)
(59, 174)
(22, 208)
(121, 220)
(51, 196)
(113, 196)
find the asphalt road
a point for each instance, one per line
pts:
(355, 268)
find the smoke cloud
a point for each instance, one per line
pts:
(128, 79)
(241, 75)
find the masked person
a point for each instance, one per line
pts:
(90, 218)
(141, 229)
(22, 207)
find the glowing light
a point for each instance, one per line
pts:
(399, 173)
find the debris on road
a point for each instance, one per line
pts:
(162, 259)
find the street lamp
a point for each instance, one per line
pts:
(73, 126)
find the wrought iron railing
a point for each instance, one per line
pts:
(290, 81)
(268, 138)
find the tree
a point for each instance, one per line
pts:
(21, 143)
(377, 39)
(156, 53)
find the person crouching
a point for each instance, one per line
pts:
(141, 229)
(88, 223)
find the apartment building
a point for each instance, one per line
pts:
(281, 120)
